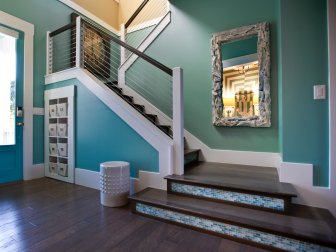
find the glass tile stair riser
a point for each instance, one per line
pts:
(242, 198)
(259, 237)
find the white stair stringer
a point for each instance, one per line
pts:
(153, 135)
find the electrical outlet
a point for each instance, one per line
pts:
(319, 92)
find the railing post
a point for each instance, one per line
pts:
(178, 121)
(78, 41)
(121, 73)
(49, 54)
(123, 39)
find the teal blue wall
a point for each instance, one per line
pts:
(239, 48)
(298, 61)
(186, 43)
(102, 136)
(38, 139)
(304, 64)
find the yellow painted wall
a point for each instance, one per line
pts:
(152, 10)
(106, 10)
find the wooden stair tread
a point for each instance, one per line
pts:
(315, 225)
(189, 151)
(263, 180)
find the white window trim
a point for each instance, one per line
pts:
(9, 32)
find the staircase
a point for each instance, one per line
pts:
(243, 203)
(140, 108)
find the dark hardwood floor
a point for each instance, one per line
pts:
(47, 215)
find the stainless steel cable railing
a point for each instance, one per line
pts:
(143, 21)
(83, 44)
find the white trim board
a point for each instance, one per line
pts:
(144, 25)
(38, 171)
(265, 159)
(332, 91)
(301, 176)
(28, 29)
(9, 32)
(88, 14)
(90, 179)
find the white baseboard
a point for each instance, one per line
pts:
(87, 178)
(265, 159)
(36, 172)
(90, 179)
(301, 177)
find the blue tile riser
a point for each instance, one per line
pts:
(226, 196)
(232, 231)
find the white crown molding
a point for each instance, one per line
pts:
(28, 53)
(88, 14)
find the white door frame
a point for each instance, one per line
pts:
(332, 91)
(28, 30)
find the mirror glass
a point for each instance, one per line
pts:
(240, 91)
(241, 74)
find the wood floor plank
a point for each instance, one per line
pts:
(47, 215)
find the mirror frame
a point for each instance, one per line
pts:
(263, 51)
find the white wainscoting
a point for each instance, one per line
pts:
(37, 171)
(146, 179)
(301, 176)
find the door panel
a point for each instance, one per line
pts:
(11, 96)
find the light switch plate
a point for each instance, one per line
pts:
(319, 92)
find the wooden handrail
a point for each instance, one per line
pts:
(135, 14)
(137, 52)
(62, 29)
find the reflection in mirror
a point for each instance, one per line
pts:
(241, 77)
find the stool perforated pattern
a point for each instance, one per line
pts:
(114, 183)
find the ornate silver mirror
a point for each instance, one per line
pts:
(241, 77)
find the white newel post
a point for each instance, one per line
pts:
(121, 73)
(123, 39)
(78, 42)
(178, 121)
(49, 55)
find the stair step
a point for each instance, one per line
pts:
(191, 156)
(306, 229)
(115, 89)
(128, 98)
(248, 186)
(139, 107)
(151, 117)
(165, 128)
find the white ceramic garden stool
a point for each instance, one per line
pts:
(114, 183)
